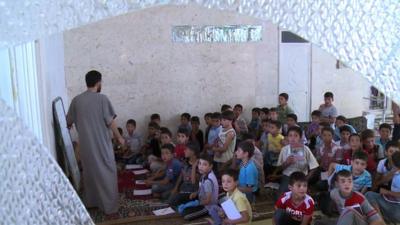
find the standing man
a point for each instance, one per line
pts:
(328, 110)
(94, 116)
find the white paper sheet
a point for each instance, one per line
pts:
(162, 212)
(133, 166)
(142, 192)
(230, 210)
(140, 182)
(140, 172)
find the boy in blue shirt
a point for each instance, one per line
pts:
(213, 133)
(388, 202)
(248, 175)
(162, 188)
(361, 177)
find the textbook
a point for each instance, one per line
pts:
(230, 209)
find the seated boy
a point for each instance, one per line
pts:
(248, 175)
(133, 141)
(254, 125)
(340, 122)
(213, 133)
(291, 121)
(230, 185)
(368, 146)
(384, 137)
(361, 177)
(165, 136)
(275, 142)
(344, 141)
(388, 202)
(182, 138)
(294, 207)
(185, 122)
(273, 113)
(329, 152)
(351, 205)
(188, 179)
(156, 118)
(384, 172)
(313, 128)
(355, 145)
(197, 134)
(295, 157)
(263, 141)
(162, 188)
(205, 200)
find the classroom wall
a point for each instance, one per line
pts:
(145, 72)
(51, 83)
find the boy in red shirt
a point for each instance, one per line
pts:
(182, 138)
(294, 207)
(368, 146)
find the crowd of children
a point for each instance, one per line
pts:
(353, 175)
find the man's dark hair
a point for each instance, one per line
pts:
(284, 95)
(248, 147)
(184, 131)
(297, 177)
(276, 123)
(256, 110)
(248, 136)
(295, 129)
(155, 116)
(186, 115)
(131, 121)
(345, 128)
(206, 157)
(293, 116)
(265, 110)
(165, 130)
(394, 144)
(154, 125)
(209, 114)
(360, 155)
(238, 106)
(368, 133)
(396, 159)
(225, 107)
(228, 115)
(328, 129)
(170, 147)
(385, 125)
(194, 147)
(232, 173)
(342, 118)
(92, 77)
(328, 95)
(343, 173)
(216, 115)
(316, 113)
(195, 119)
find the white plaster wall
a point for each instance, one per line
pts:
(51, 78)
(350, 89)
(144, 72)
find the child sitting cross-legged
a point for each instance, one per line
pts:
(351, 205)
(387, 202)
(248, 175)
(162, 186)
(361, 177)
(384, 172)
(205, 200)
(187, 182)
(230, 185)
(294, 207)
(295, 157)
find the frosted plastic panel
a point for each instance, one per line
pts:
(33, 188)
(362, 34)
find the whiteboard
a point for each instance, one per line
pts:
(64, 145)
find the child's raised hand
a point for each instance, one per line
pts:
(192, 195)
